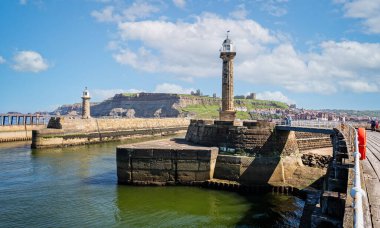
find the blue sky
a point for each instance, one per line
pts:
(317, 53)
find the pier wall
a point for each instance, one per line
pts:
(309, 141)
(10, 133)
(62, 132)
(253, 137)
(166, 164)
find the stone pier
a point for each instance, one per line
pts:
(165, 162)
(64, 131)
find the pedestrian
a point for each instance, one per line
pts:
(373, 125)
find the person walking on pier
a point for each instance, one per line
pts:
(373, 125)
(289, 120)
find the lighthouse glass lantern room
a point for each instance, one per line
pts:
(227, 45)
(86, 93)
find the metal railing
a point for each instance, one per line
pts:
(311, 123)
(357, 193)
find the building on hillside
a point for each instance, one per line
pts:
(252, 96)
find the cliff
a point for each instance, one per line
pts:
(147, 105)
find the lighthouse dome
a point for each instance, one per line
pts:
(227, 46)
(86, 93)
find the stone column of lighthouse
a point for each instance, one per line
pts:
(227, 54)
(86, 104)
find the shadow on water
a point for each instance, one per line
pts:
(272, 210)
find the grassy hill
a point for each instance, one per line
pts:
(212, 111)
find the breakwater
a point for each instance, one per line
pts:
(169, 162)
(62, 131)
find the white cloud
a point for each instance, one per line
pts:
(2, 60)
(188, 50)
(136, 10)
(29, 61)
(240, 12)
(314, 72)
(366, 10)
(180, 3)
(274, 96)
(275, 7)
(23, 2)
(172, 88)
(360, 86)
(105, 15)
(102, 94)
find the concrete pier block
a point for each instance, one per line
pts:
(165, 162)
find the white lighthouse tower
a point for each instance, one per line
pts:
(86, 104)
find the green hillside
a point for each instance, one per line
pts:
(212, 111)
(205, 107)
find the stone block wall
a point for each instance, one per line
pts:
(254, 137)
(63, 132)
(154, 165)
(273, 171)
(335, 206)
(308, 141)
(12, 133)
(95, 124)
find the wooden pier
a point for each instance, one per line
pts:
(371, 173)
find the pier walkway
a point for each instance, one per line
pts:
(371, 174)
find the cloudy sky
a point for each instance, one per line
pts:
(315, 53)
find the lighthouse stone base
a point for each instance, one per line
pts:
(227, 115)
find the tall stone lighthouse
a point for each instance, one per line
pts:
(227, 54)
(86, 104)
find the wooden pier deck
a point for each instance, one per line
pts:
(371, 173)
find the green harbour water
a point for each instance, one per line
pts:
(77, 187)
